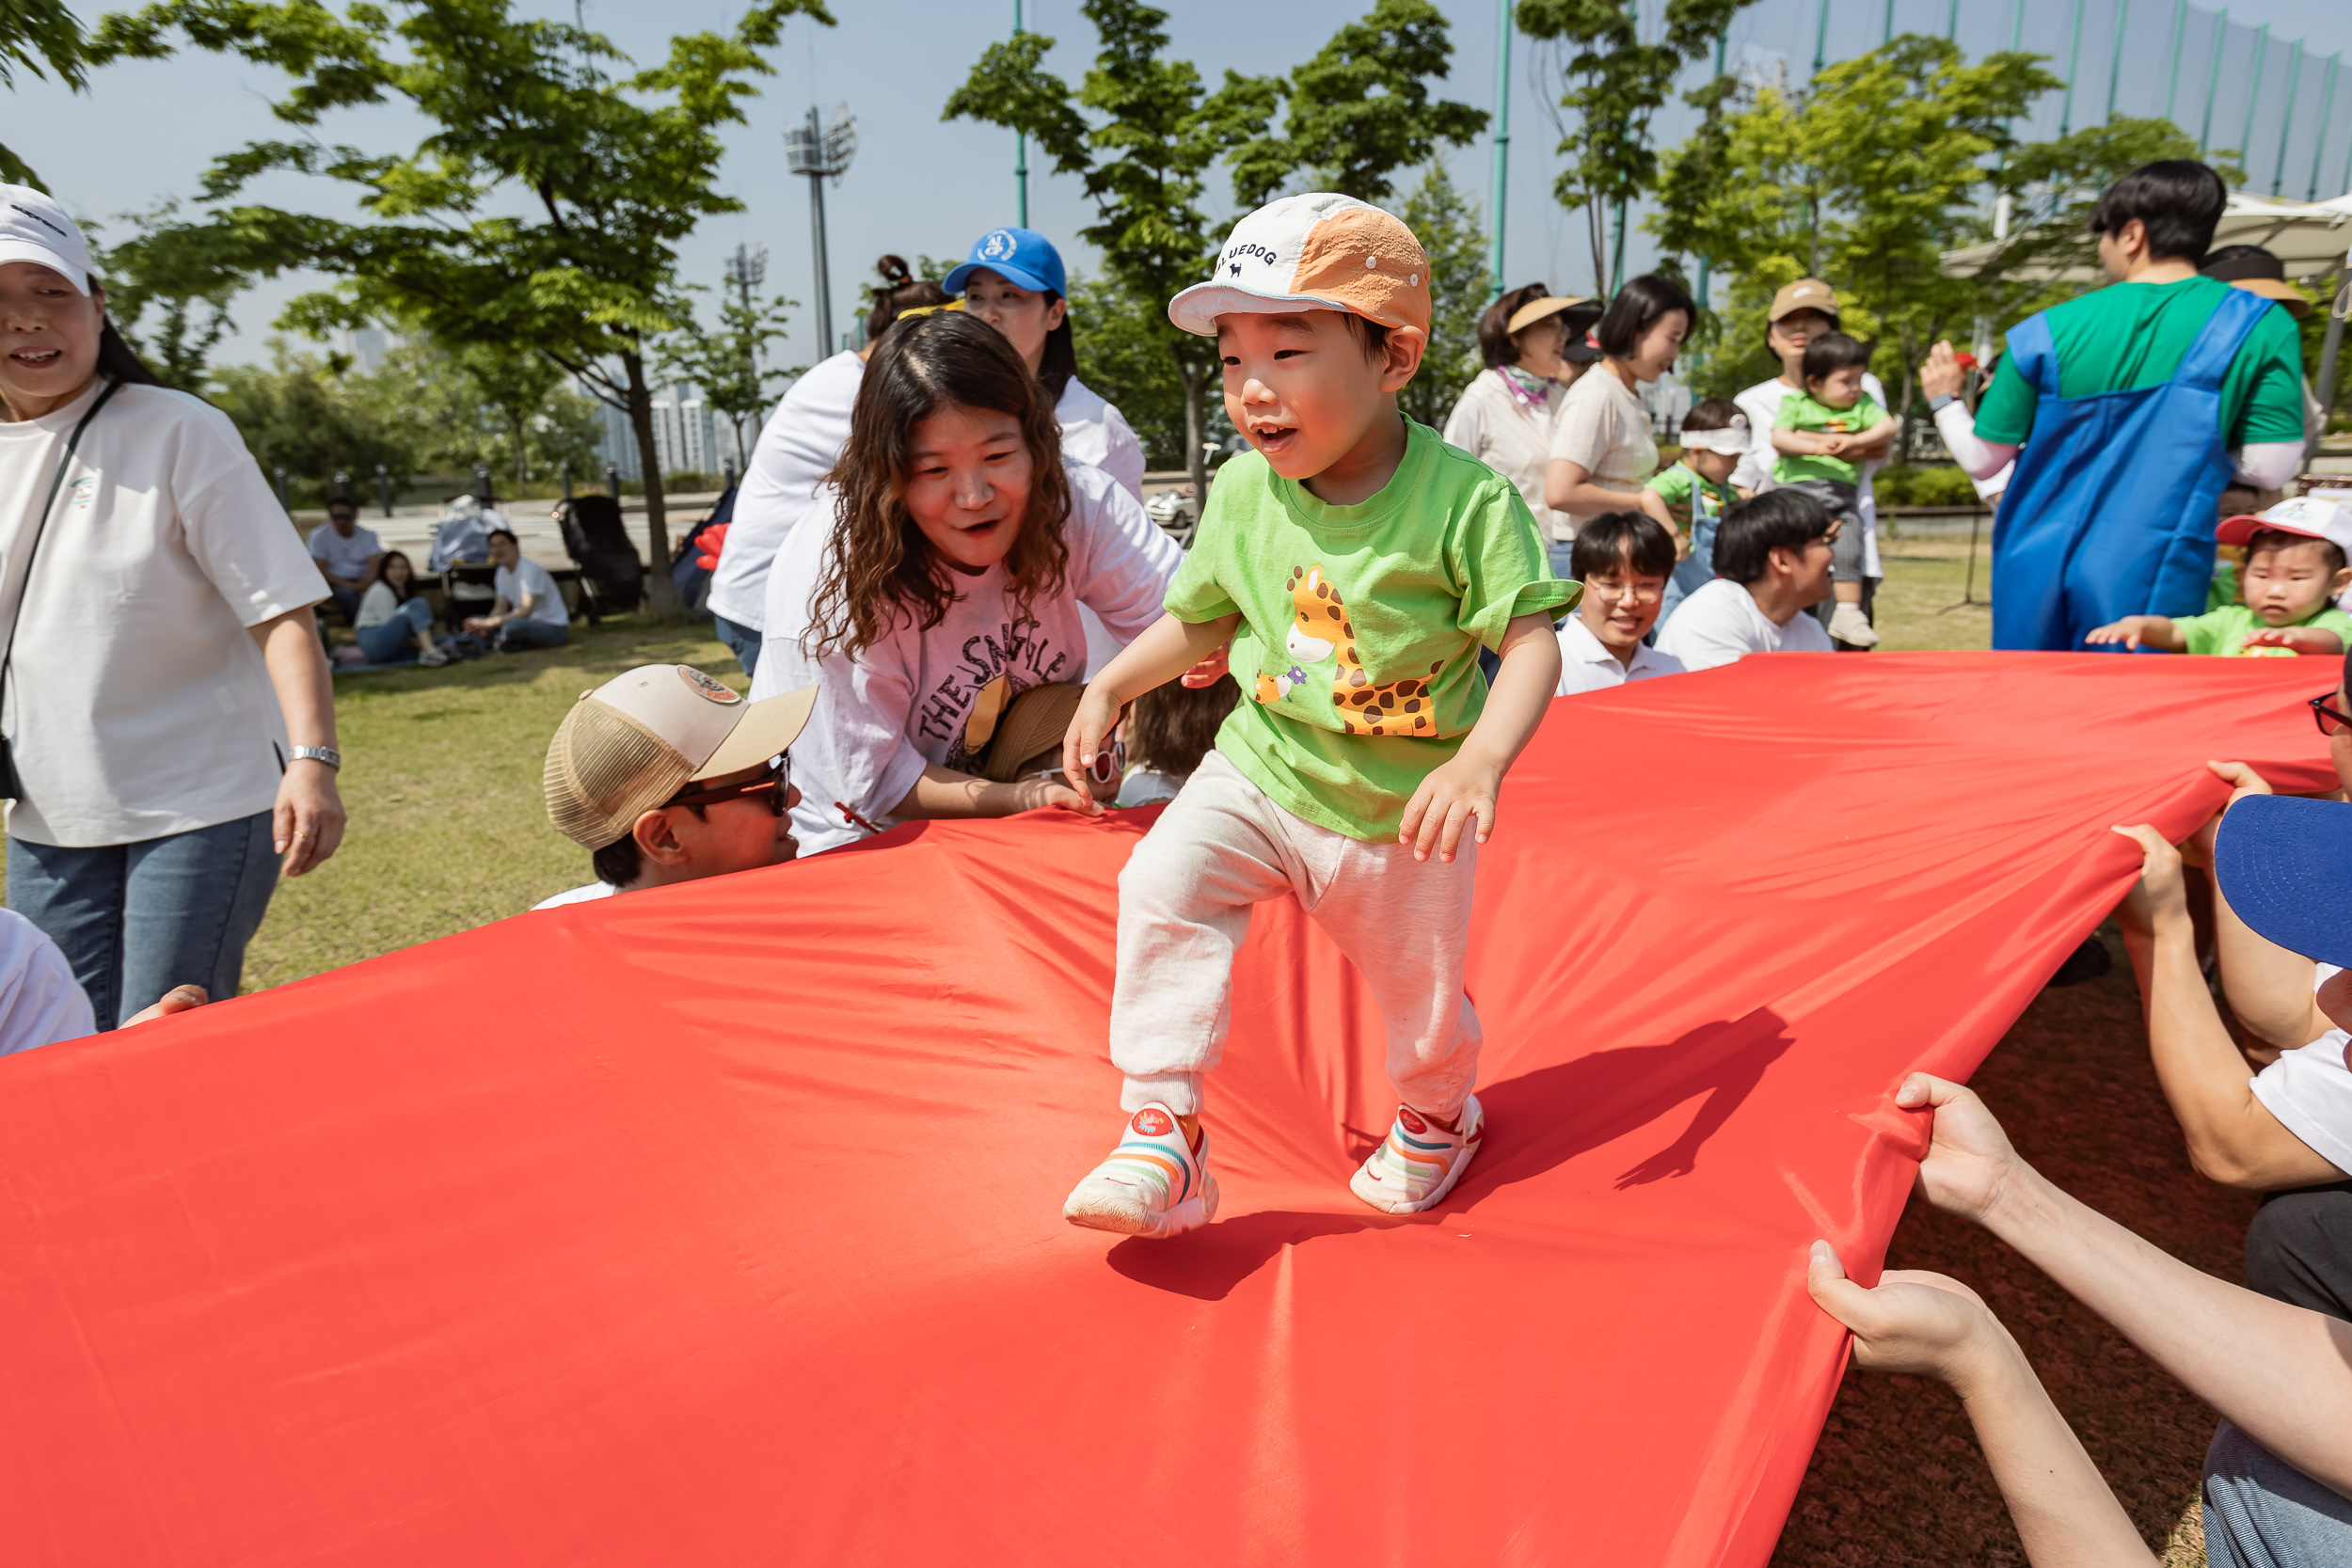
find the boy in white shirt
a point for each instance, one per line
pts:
(1624, 560)
(530, 611)
(1773, 555)
(346, 553)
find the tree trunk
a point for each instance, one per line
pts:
(1196, 432)
(1903, 422)
(522, 459)
(660, 592)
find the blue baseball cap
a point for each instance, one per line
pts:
(2285, 865)
(1019, 256)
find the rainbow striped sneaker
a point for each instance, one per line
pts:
(1152, 1184)
(1418, 1162)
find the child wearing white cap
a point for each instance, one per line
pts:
(2297, 560)
(1357, 565)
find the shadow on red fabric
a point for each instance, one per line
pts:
(729, 1233)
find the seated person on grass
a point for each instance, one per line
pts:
(1773, 562)
(713, 796)
(346, 553)
(2295, 565)
(1623, 559)
(394, 626)
(529, 611)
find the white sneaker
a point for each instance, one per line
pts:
(433, 658)
(1154, 1183)
(1418, 1162)
(1848, 624)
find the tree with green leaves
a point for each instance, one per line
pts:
(1446, 223)
(167, 290)
(725, 364)
(1864, 180)
(311, 414)
(43, 39)
(1615, 84)
(542, 209)
(508, 410)
(1359, 111)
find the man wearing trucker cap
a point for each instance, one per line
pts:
(666, 775)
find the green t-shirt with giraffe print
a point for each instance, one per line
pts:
(1360, 625)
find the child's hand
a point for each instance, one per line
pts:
(1210, 670)
(2126, 631)
(2303, 639)
(1444, 804)
(2160, 895)
(1089, 732)
(1834, 446)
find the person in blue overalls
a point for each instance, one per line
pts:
(2129, 410)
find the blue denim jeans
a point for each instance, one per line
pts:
(2262, 1513)
(394, 641)
(515, 636)
(1692, 573)
(742, 641)
(136, 919)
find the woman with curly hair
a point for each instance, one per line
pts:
(960, 545)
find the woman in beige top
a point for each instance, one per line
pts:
(1535, 347)
(1602, 449)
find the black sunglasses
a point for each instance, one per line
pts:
(2331, 723)
(777, 785)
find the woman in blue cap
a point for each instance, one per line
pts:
(1014, 281)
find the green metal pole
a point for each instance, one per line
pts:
(1951, 25)
(1821, 39)
(1503, 147)
(2327, 109)
(2254, 92)
(2286, 117)
(1886, 33)
(2016, 42)
(2172, 72)
(2212, 81)
(2115, 62)
(1723, 42)
(2073, 56)
(1020, 153)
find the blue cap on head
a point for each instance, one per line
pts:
(1022, 257)
(2285, 865)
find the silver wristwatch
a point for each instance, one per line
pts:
(326, 754)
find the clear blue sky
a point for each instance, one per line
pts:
(144, 131)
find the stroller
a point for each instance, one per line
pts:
(612, 575)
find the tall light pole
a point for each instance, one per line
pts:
(821, 153)
(1502, 146)
(1020, 151)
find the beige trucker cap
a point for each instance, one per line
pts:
(641, 736)
(1319, 251)
(1805, 293)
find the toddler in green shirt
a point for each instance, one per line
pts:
(1823, 435)
(1355, 563)
(2295, 566)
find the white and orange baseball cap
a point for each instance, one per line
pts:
(2316, 517)
(1314, 252)
(644, 735)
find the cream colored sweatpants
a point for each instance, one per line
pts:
(1184, 908)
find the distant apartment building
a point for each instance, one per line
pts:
(688, 435)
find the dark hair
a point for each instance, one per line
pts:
(382, 563)
(1754, 529)
(878, 562)
(1636, 309)
(505, 534)
(117, 360)
(1173, 726)
(1622, 542)
(2280, 539)
(1368, 332)
(2178, 201)
(1712, 413)
(1058, 364)
(619, 861)
(1833, 351)
(1494, 328)
(901, 291)
(334, 501)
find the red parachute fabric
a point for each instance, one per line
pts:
(720, 1225)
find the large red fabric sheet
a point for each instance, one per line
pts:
(720, 1225)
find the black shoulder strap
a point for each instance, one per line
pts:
(41, 525)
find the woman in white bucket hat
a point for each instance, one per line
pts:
(169, 719)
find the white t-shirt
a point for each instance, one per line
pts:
(1761, 404)
(1603, 426)
(41, 1001)
(1495, 423)
(378, 605)
(1587, 665)
(797, 449)
(139, 705)
(578, 896)
(904, 702)
(526, 578)
(336, 555)
(1097, 434)
(1719, 621)
(2309, 1090)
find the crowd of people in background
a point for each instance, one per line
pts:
(949, 601)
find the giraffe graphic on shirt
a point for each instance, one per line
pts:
(1319, 628)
